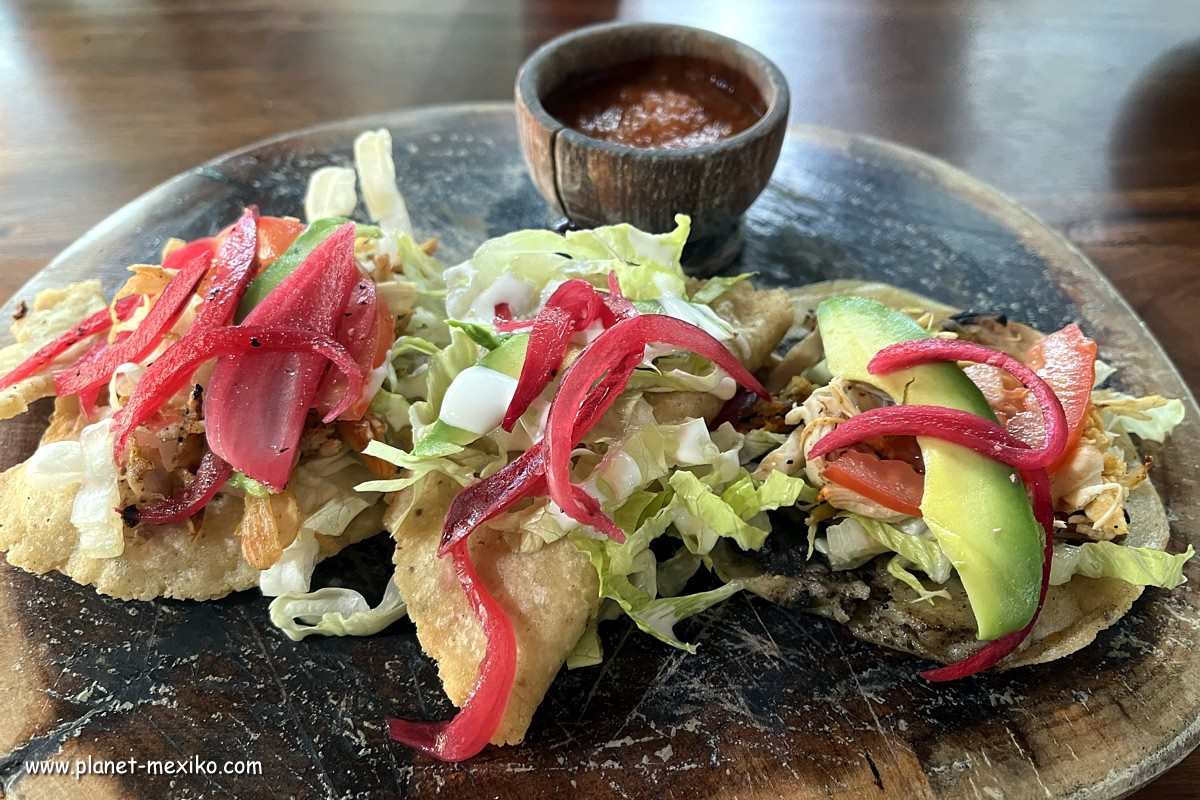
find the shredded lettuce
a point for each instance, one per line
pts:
(326, 492)
(588, 651)
(529, 529)
(419, 289)
(482, 335)
(696, 314)
(686, 377)
(407, 367)
(335, 612)
(644, 451)
(897, 569)
(392, 408)
(293, 571)
(673, 574)
(336, 513)
(647, 265)
(703, 518)
(1104, 371)
(400, 296)
(55, 466)
(848, 544)
(377, 178)
(465, 467)
(758, 443)
(413, 344)
(780, 490)
(1141, 566)
(426, 372)
(641, 505)
(715, 287)
(428, 273)
(855, 539)
(329, 504)
(741, 496)
(1150, 418)
(444, 366)
(331, 193)
(647, 452)
(654, 615)
(101, 531)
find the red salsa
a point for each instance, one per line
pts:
(662, 102)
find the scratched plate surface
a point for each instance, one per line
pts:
(773, 705)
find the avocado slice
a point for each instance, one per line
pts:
(977, 508)
(442, 439)
(291, 259)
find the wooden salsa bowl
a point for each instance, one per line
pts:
(596, 182)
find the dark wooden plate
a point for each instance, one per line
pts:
(773, 705)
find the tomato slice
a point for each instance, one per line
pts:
(1003, 392)
(890, 483)
(1066, 361)
(275, 236)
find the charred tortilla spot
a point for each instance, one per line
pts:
(975, 318)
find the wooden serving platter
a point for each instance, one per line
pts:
(773, 705)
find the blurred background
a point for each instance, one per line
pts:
(1077, 107)
(1088, 111)
(1085, 110)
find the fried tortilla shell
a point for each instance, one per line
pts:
(761, 317)
(807, 298)
(36, 532)
(549, 595)
(158, 561)
(53, 312)
(878, 608)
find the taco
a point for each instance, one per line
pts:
(1112, 523)
(209, 419)
(545, 582)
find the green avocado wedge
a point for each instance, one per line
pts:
(291, 259)
(977, 508)
(442, 439)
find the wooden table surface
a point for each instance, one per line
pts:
(1088, 111)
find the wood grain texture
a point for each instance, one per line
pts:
(1086, 111)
